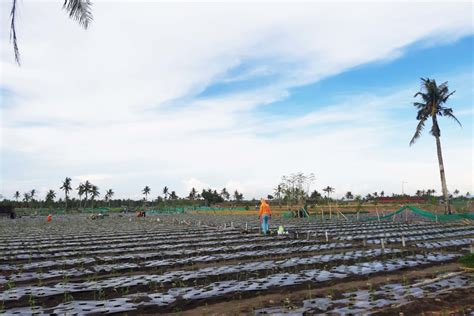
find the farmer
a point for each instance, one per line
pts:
(264, 215)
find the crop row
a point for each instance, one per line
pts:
(223, 288)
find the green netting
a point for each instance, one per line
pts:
(441, 217)
(209, 208)
(423, 213)
(166, 210)
(385, 216)
(95, 210)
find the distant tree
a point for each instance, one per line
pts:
(192, 194)
(145, 192)
(432, 106)
(66, 187)
(382, 193)
(166, 192)
(17, 196)
(349, 195)
(81, 190)
(32, 194)
(328, 191)
(108, 195)
(26, 198)
(238, 197)
(224, 194)
(50, 196)
(87, 190)
(278, 191)
(94, 191)
(270, 197)
(456, 192)
(211, 197)
(295, 187)
(173, 196)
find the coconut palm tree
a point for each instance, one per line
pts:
(87, 189)
(192, 194)
(50, 196)
(66, 187)
(17, 195)
(145, 192)
(432, 106)
(79, 10)
(328, 191)
(94, 191)
(26, 198)
(32, 194)
(108, 195)
(166, 192)
(173, 196)
(81, 190)
(224, 194)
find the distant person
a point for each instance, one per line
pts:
(264, 215)
(49, 218)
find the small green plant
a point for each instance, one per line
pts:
(68, 297)
(10, 284)
(124, 290)
(31, 301)
(467, 261)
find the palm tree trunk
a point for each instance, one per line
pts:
(447, 208)
(66, 203)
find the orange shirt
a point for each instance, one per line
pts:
(264, 209)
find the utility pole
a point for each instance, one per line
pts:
(403, 187)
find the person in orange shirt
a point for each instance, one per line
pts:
(264, 215)
(49, 218)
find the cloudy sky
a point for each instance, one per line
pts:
(234, 95)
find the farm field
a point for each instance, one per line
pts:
(205, 264)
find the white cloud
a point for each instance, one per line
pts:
(94, 102)
(92, 177)
(196, 184)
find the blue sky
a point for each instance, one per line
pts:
(418, 60)
(176, 100)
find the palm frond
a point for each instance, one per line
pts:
(419, 129)
(13, 32)
(79, 10)
(446, 97)
(449, 113)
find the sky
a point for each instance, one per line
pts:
(235, 95)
